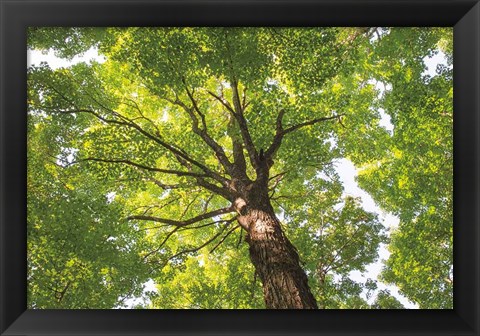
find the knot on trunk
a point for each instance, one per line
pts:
(240, 206)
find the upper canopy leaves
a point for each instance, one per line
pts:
(163, 130)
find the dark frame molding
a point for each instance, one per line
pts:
(17, 15)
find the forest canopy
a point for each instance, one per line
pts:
(199, 168)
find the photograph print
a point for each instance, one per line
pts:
(240, 168)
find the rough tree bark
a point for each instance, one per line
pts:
(276, 261)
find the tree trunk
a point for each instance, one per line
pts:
(276, 261)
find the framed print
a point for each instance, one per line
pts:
(238, 167)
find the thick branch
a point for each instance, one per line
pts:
(239, 159)
(242, 122)
(279, 122)
(244, 99)
(214, 188)
(237, 144)
(238, 108)
(202, 132)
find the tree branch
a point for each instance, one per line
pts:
(281, 132)
(195, 249)
(214, 188)
(184, 222)
(218, 150)
(237, 107)
(311, 122)
(223, 102)
(188, 250)
(242, 123)
(178, 153)
(225, 237)
(239, 168)
(164, 186)
(188, 206)
(134, 164)
(184, 228)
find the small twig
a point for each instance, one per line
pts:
(223, 239)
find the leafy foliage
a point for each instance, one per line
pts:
(131, 163)
(81, 254)
(415, 178)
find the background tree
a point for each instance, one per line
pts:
(80, 253)
(414, 178)
(195, 147)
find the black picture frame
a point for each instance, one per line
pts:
(17, 15)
